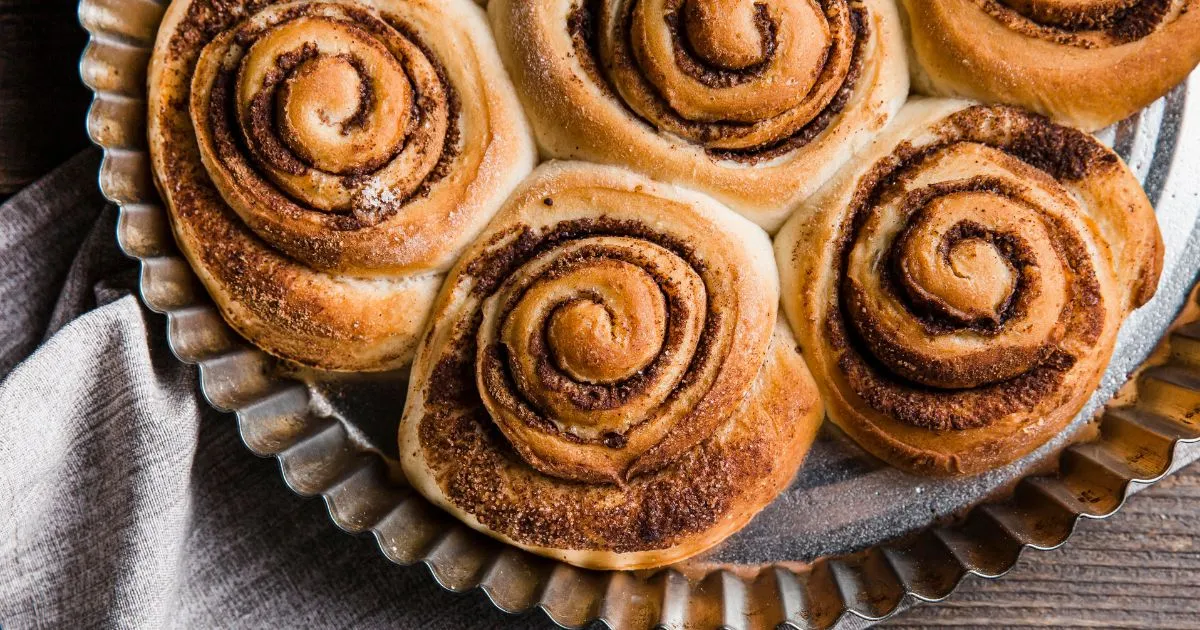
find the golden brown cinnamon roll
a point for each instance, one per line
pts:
(324, 162)
(603, 380)
(753, 102)
(958, 288)
(1087, 63)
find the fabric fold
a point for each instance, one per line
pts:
(125, 500)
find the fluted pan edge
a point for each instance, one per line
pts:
(318, 455)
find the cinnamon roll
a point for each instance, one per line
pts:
(958, 288)
(324, 162)
(754, 102)
(603, 380)
(1087, 63)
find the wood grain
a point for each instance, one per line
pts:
(42, 100)
(1138, 569)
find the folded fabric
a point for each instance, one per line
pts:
(125, 501)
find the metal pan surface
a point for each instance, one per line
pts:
(851, 541)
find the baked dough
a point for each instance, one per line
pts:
(755, 104)
(604, 380)
(958, 288)
(323, 163)
(1087, 63)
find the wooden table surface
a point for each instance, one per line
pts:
(1140, 569)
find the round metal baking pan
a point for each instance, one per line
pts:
(850, 542)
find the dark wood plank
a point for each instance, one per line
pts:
(1139, 569)
(42, 100)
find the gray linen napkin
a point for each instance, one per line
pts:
(126, 502)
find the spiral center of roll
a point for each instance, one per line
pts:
(594, 344)
(986, 278)
(966, 268)
(594, 349)
(733, 74)
(330, 89)
(967, 290)
(323, 108)
(590, 330)
(341, 100)
(342, 112)
(727, 34)
(949, 285)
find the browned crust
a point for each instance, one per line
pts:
(834, 85)
(675, 512)
(368, 321)
(578, 114)
(704, 488)
(1114, 251)
(1087, 78)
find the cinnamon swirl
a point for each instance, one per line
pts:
(958, 288)
(753, 102)
(1088, 63)
(324, 162)
(604, 381)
